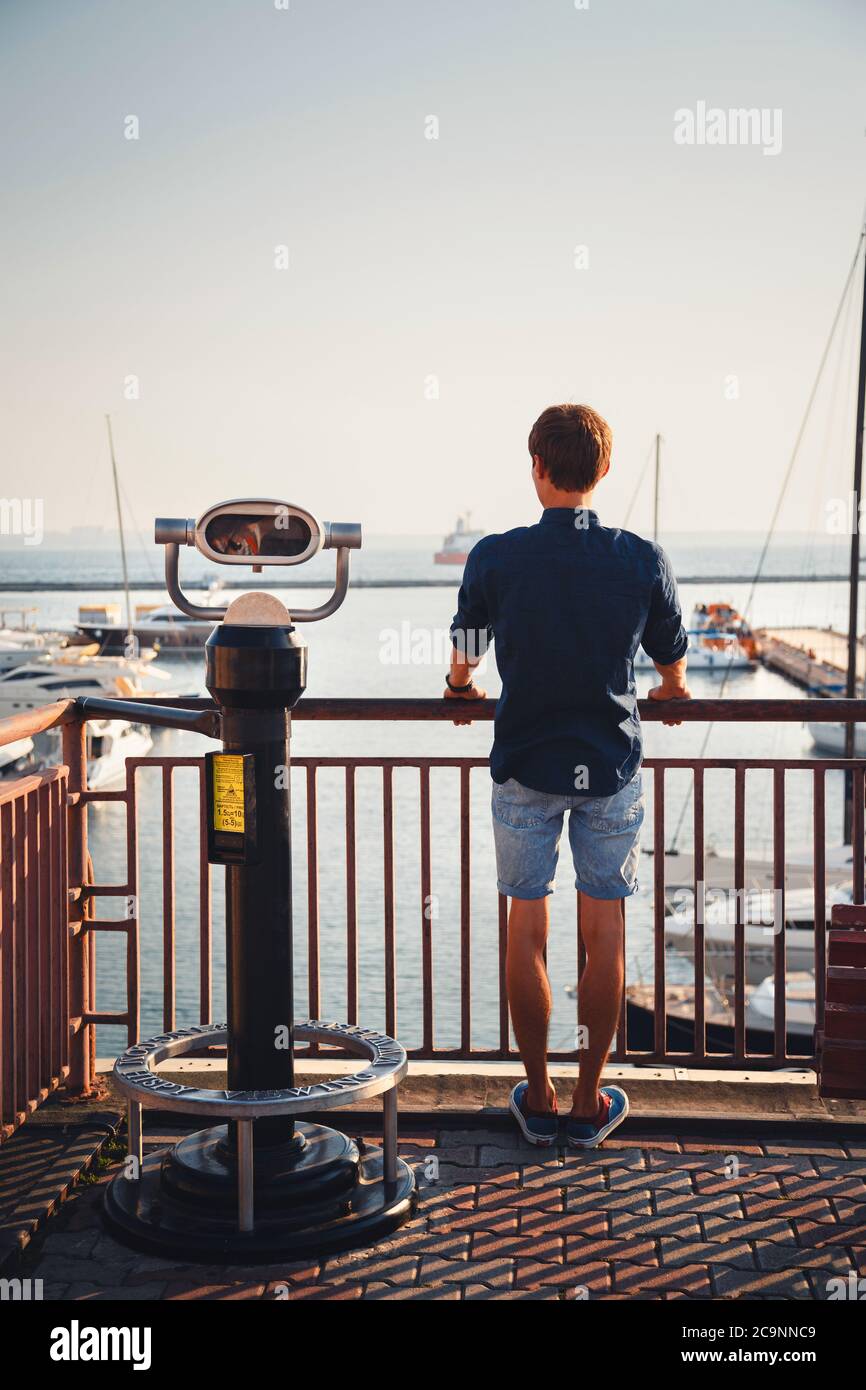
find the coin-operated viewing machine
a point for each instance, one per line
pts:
(260, 1181)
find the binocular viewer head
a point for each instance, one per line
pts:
(257, 531)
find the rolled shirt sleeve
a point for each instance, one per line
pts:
(471, 631)
(664, 639)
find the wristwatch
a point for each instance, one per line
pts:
(458, 689)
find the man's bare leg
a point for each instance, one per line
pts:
(599, 995)
(529, 995)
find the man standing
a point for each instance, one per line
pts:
(568, 601)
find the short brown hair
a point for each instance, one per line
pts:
(573, 442)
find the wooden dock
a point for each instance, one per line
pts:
(812, 657)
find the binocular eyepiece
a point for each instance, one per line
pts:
(257, 531)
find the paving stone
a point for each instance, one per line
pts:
(639, 1250)
(515, 1199)
(439, 1293)
(779, 1255)
(742, 1283)
(329, 1293)
(674, 1203)
(401, 1269)
(693, 1279)
(211, 1293)
(737, 1253)
(573, 1281)
(815, 1208)
(548, 1247)
(459, 1156)
(812, 1234)
(503, 1221)
(480, 1292)
(681, 1224)
(713, 1148)
(720, 1227)
(815, 1148)
(849, 1213)
(499, 1156)
(578, 1223)
(637, 1201)
(496, 1272)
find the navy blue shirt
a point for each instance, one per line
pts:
(568, 602)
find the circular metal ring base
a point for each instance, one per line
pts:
(149, 1215)
(318, 1166)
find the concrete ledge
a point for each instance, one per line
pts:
(663, 1092)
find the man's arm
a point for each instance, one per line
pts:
(673, 686)
(665, 640)
(470, 634)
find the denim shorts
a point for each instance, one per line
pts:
(604, 832)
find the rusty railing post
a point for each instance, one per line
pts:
(82, 1042)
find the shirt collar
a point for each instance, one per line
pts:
(567, 516)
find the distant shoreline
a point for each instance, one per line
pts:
(53, 586)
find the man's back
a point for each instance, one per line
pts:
(569, 601)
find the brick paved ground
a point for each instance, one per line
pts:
(643, 1217)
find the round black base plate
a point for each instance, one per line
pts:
(158, 1215)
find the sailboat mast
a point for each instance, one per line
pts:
(122, 540)
(656, 493)
(854, 583)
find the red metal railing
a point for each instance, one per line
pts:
(34, 944)
(49, 929)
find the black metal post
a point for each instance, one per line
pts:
(256, 674)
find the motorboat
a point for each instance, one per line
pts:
(158, 627)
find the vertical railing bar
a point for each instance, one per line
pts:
(43, 933)
(205, 918)
(857, 831)
(313, 973)
(699, 900)
(133, 907)
(388, 885)
(504, 1035)
(465, 915)
(82, 1045)
(780, 1048)
(351, 901)
(169, 986)
(21, 856)
(34, 910)
(659, 1008)
(739, 920)
(820, 904)
(7, 966)
(60, 927)
(620, 1050)
(426, 915)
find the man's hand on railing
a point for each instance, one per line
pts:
(470, 692)
(670, 692)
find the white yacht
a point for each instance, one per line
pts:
(71, 674)
(14, 757)
(759, 934)
(156, 627)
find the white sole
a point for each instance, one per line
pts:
(602, 1133)
(527, 1134)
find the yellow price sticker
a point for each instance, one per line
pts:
(228, 792)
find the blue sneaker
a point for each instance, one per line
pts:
(540, 1129)
(612, 1110)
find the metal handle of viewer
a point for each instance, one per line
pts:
(340, 536)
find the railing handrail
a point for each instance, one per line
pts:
(386, 710)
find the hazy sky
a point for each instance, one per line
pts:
(417, 264)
